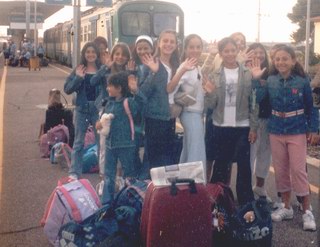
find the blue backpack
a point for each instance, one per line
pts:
(106, 222)
(132, 194)
(90, 163)
(255, 233)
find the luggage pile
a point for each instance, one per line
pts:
(176, 209)
(54, 145)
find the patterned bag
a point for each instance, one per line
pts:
(104, 223)
(70, 200)
(255, 233)
(59, 133)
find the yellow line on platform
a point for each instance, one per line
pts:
(57, 68)
(2, 90)
(313, 188)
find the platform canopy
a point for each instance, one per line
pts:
(13, 11)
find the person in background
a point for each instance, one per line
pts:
(24, 57)
(85, 111)
(234, 120)
(120, 145)
(13, 49)
(143, 46)
(260, 153)
(293, 123)
(189, 78)
(57, 114)
(159, 126)
(6, 52)
(40, 51)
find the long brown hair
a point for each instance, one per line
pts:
(174, 59)
(186, 43)
(297, 68)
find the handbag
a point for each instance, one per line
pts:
(186, 96)
(184, 99)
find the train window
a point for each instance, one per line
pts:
(135, 23)
(164, 21)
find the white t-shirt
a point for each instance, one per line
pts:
(232, 77)
(192, 79)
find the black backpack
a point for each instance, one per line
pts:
(259, 231)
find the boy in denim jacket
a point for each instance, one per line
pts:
(120, 144)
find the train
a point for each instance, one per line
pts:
(123, 22)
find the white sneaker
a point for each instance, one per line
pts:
(73, 177)
(309, 223)
(282, 213)
(261, 192)
(99, 188)
(277, 205)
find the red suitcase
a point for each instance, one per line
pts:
(177, 215)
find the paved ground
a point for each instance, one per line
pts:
(26, 180)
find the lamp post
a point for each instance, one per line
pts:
(28, 19)
(35, 32)
(76, 33)
(259, 20)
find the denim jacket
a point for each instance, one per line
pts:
(244, 109)
(155, 89)
(120, 131)
(99, 79)
(76, 84)
(288, 95)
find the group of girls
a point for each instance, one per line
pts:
(247, 102)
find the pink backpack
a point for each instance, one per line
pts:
(70, 200)
(59, 133)
(89, 138)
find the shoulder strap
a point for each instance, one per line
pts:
(74, 209)
(127, 109)
(89, 188)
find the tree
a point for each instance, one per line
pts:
(299, 16)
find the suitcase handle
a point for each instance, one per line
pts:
(191, 182)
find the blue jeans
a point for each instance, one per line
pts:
(159, 140)
(126, 157)
(84, 116)
(233, 146)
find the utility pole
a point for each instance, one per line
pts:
(28, 19)
(307, 49)
(259, 20)
(35, 31)
(76, 33)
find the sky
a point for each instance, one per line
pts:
(216, 19)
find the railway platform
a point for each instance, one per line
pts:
(26, 180)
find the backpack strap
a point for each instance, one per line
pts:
(89, 188)
(65, 154)
(74, 209)
(127, 109)
(47, 209)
